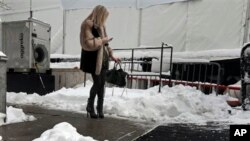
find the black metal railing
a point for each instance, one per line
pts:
(139, 66)
(204, 75)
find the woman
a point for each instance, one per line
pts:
(95, 56)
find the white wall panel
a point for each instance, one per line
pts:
(215, 24)
(74, 19)
(80, 4)
(148, 3)
(122, 25)
(164, 23)
(54, 17)
(193, 25)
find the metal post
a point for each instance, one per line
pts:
(218, 78)
(182, 71)
(205, 77)
(187, 79)
(132, 61)
(211, 77)
(199, 79)
(132, 66)
(161, 66)
(171, 56)
(31, 14)
(193, 74)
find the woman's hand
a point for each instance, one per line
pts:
(116, 59)
(106, 40)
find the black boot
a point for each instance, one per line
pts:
(90, 109)
(100, 108)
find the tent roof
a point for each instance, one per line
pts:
(76, 4)
(12, 6)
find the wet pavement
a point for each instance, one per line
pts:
(187, 132)
(112, 129)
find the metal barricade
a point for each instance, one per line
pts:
(139, 66)
(203, 75)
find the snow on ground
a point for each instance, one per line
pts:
(181, 104)
(15, 115)
(64, 56)
(2, 54)
(62, 132)
(65, 65)
(217, 54)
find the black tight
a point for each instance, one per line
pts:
(98, 85)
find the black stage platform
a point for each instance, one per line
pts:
(30, 82)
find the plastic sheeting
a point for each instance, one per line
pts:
(80, 4)
(24, 5)
(192, 25)
(215, 24)
(147, 3)
(122, 25)
(195, 25)
(169, 25)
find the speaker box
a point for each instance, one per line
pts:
(27, 45)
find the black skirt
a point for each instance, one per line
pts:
(88, 61)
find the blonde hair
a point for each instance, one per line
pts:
(99, 15)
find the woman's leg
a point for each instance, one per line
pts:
(100, 94)
(93, 91)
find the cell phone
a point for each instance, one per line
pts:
(110, 39)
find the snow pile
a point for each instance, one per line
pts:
(15, 115)
(62, 132)
(2, 54)
(2, 116)
(182, 104)
(177, 104)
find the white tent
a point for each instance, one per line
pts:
(188, 25)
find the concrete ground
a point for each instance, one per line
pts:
(187, 132)
(112, 129)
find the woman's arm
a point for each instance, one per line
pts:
(116, 59)
(87, 39)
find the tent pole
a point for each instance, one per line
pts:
(31, 14)
(140, 24)
(64, 31)
(245, 37)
